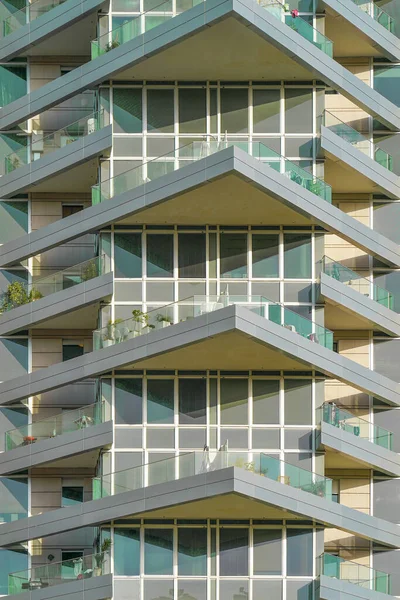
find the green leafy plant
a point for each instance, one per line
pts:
(100, 556)
(160, 318)
(34, 294)
(140, 317)
(111, 45)
(15, 295)
(111, 329)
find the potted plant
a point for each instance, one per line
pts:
(100, 557)
(89, 271)
(140, 320)
(15, 295)
(34, 294)
(111, 45)
(109, 336)
(164, 320)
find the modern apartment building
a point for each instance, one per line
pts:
(199, 300)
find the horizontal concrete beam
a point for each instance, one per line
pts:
(205, 328)
(186, 25)
(350, 300)
(231, 480)
(359, 449)
(352, 158)
(61, 160)
(61, 446)
(50, 23)
(54, 305)
(203, 172)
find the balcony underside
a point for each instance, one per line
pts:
(87, 441)
(211, 29)
(356, 33)
(349, 309)
(210, 341)
(228, 187)
(66, 169)
(95, 588)
(54, 310)
(350, 171)
(230, 492)
(347, 451)
(50, 34)
(338, 589)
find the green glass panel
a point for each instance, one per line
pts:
(127, 552)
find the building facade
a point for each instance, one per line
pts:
(199, 299)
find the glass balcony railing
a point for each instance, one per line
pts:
(29, 13)
(65, 422)
(18, 294)
(153, 169)
(358, 140)
(40, 145)
(195, 463)
(142, 323)
(379, 15)
(163, 11)
(352, 572)
(356, 282)
(342, 419)
(44, 576)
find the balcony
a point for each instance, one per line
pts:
(350, 440)
(32, 28)
(266, 31)
(189, 484)
(51, 156)
(361, 28)
(338, 577)
(354, 302)
(77, 289)
(90, 576)
(65, 435)
(354, 162)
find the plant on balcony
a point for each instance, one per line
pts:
(100, 557)
(111, 45)
(89, 271)
(34, 294)
(109, 336)
(15, 295)
(141, 320)
(164, 320)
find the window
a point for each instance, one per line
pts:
(297, 256)
(192, 255)
(72, 349)
(233, 552)
(127, 110)
(160, 111)
(11, 560)
(234, 110)
(128, 254)
(71, 495)
(160, 401)
(234, 255)
(128, 401)
(71, 209)
(387, 82)
(298, 402)
(192, 552)
(267, 552)
(299, 552)
(192, 110)
(266, 401)
(336, 490)
(265, 255)
(160, 249)
(192, 401)
(127, 552)
(234, 401)
(298, 111)
(266, 111)
(158, 552)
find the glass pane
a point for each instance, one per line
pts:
(234, 401)
(266, 111)
(158, 552)
(233, 552)
(160, 111)
(233, 255)
(298, 111)
(13, 220)
(297, 256)
(11, 561)
(386, 354)
(127, 552)
(128, 401)
(12, 84)
(265, 401)
(192, 110)
(387, 220)
(234, 110)
(267, 552)
(192, 255)
(387, 82)
(265, 253)
(298, 402)
(160, 249)
(71, 495)
(160, 401)
(192, 552)
(128, 254)
(299, 552)
(127, 110)
(192, 401)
